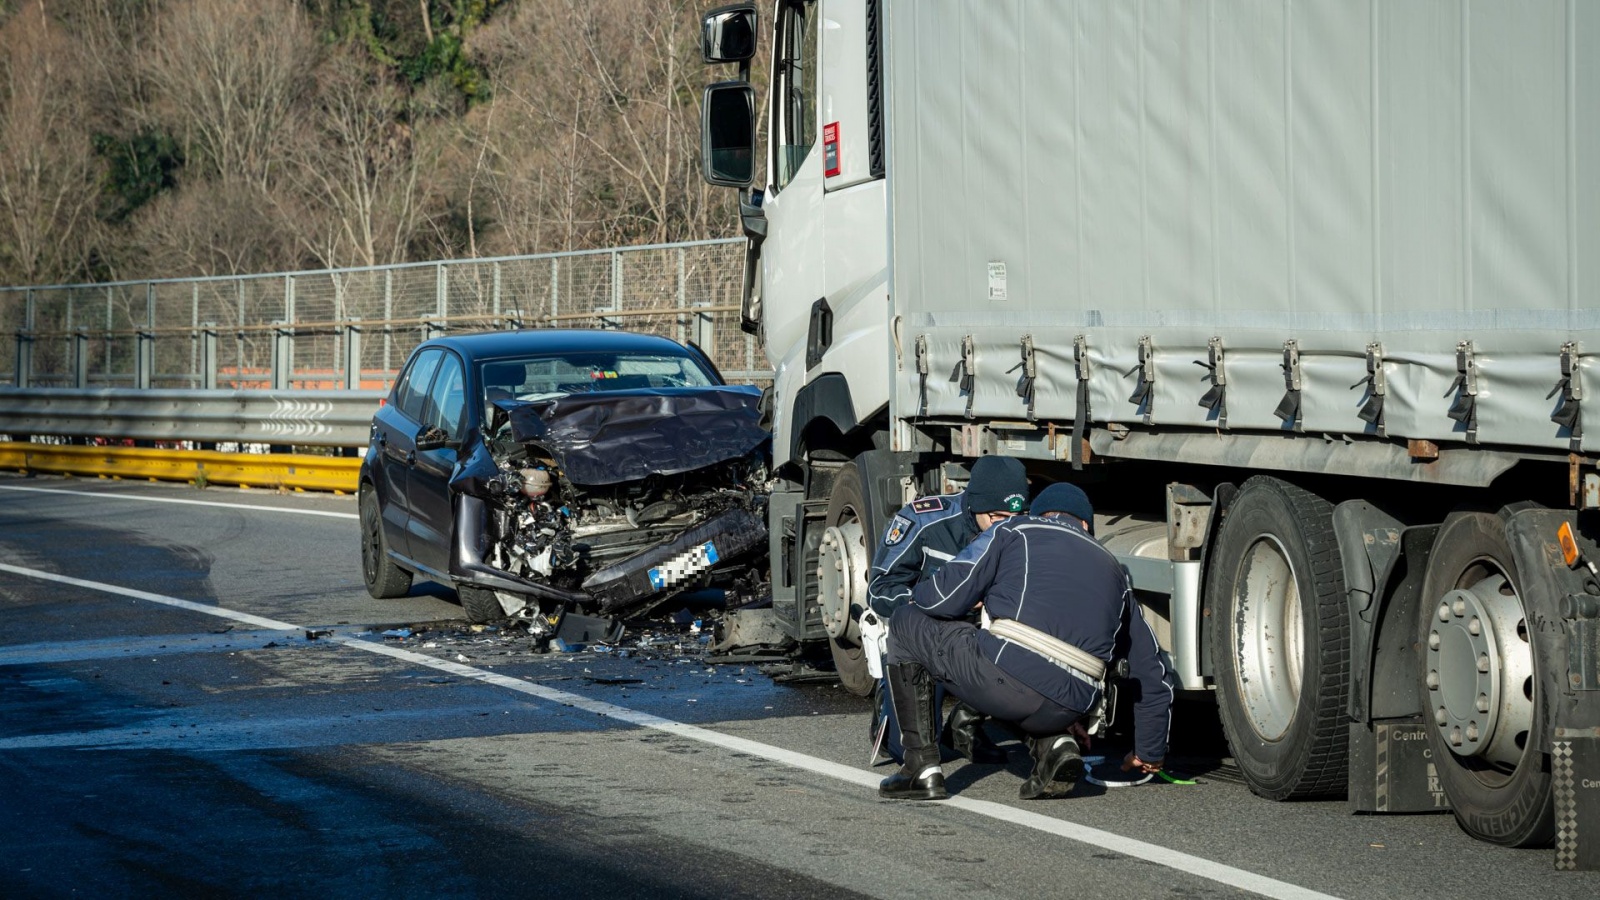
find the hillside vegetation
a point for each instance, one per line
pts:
(161, 138)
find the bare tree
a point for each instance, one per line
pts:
(358, 165)
(604, 104)
(47, 169)
(224, 227)
(227, 75)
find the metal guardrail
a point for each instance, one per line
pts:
(353, 328)
(304, 418)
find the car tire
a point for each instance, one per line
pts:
(848, 504)
(1500, 788)
(1281, 640)
(480, 605)
(383, 578)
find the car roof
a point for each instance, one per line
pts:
(501, 344)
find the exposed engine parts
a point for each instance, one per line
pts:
(673, 501)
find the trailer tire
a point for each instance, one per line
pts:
(383, 578)
(848, 504)
(1502, 792)
(1281, 640)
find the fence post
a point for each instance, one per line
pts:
(24, 375)
(555, 286)
(238, 337)
(352, 354)
(80, 358)
(388, 317)
(144, 358)
(616, 288)
(704, 332)
(208, 356)
(495, 270)
(110, 323)
(441, 292)
(683, 300)
(194, 334)
(282, 355)
(288, 298)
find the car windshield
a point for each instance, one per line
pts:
(538, 377)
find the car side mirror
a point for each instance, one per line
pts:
(432, 438)
(728, 34)
(728, 134)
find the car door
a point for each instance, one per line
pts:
(397, 425)
(432, 518)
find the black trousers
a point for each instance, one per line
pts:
(949, 650)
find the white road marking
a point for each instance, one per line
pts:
(147, 498)
(1164, 856)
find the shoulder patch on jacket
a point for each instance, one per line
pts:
(898, 529)
(927, 504)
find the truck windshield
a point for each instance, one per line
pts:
(537, 377)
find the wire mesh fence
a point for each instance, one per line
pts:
(297, 329)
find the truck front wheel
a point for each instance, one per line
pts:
(1480, 683)
(1281, 639)
(843, 567)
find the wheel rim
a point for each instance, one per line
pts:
(1268, 637)
(1479, 675)
(842, 576)
(371, 545)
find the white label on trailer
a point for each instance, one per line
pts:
(997, 279)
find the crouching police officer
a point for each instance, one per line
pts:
(1056, 607)
(927, 533)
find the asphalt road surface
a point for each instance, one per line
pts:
(168, 729)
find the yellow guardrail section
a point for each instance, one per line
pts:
(291, 471)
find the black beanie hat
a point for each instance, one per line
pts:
(1064, 498)
(997, 483)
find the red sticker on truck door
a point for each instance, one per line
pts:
(830, 149)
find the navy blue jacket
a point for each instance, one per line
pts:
(927, 533)
(1050, 574)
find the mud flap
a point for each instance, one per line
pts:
(1575, 752)
(677, 563)
(1391, 770)
(1564, 613)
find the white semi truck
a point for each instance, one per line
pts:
(1302, 291)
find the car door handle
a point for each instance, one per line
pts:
(411, 457)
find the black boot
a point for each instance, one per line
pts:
(963, 733)
(1056, 767)
(919, 778)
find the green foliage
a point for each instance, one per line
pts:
(137, 168)
(394, 32)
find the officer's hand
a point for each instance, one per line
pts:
(1082, 734)
(1132, 762)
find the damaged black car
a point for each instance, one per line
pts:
(549, 474)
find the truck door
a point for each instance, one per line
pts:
(791, 257)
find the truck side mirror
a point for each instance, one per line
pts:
(728, 134)
(728, 34)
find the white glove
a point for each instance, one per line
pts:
(874, 641)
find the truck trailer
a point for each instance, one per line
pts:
(1302, 292)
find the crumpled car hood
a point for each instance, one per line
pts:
(616, 436)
